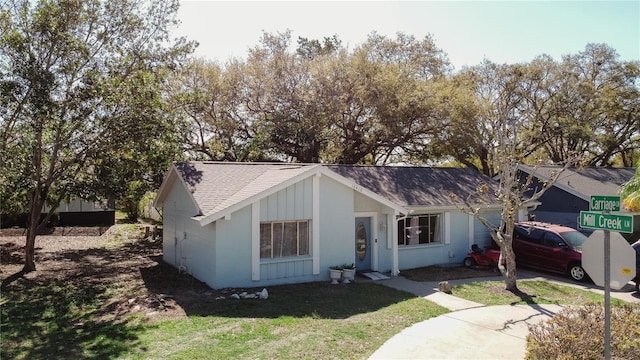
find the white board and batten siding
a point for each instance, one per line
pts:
(293, 203)
(328, 245)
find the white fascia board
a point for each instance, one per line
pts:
(208, 219)
(167, 183)
(442, 208)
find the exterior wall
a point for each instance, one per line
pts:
(569, 219)
(481, 234)
(186, 245)
(233, 245)
(415, 256)
(293, 203)
(462, 232)
(337, 232)
(336, 247)
(383, 243)
(559, 207)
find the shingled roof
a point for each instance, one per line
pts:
(217, 185)
(420, 187)
(586, 181)
(218, 188)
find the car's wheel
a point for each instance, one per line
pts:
(576, 272)
(469, 262)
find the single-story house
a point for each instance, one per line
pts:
(71, 212)
(561, 204)
(260, 224)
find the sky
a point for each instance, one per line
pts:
(467, 31)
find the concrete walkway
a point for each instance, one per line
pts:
(472, 330)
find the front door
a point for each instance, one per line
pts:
(363, 243)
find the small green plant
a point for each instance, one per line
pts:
(351, 266)
(335, 267)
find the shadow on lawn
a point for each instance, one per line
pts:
(318, 299)
(58, 312)
(78, 304)
(45, 319)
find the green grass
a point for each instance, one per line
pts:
(65, 315)
(314, 321)
(531, 292)
(61, 319)
(54, 320)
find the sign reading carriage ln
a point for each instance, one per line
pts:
(604, 203)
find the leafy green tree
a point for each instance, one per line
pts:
(589, 103)
(386, 98)
(630, 192)
(501, 92)
(309, 49)
(282, 98)
(460, 135)
(73, 76)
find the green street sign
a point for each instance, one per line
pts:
(604, 203)
(595, 220)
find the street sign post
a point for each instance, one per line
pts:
(607, 222)
(613, 222)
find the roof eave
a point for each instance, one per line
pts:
(167, 183)
(313, 170)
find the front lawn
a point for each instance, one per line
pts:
(113, 297)
(531, 292)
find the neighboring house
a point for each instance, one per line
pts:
(259, 224)
(80, 212)
(562, 203)
(74, 212)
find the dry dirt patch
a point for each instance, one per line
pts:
(129, 265)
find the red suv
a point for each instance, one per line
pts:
(549, 247)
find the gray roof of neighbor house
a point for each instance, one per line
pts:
(420, 187)
(586, 181)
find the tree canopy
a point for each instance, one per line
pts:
(391, 100)
(96, 99)
(79, 82)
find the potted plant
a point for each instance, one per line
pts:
(335, 272)
(348, 273)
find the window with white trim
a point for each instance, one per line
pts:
(279, 239)
(420, 229)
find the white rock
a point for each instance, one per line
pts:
(264, 294)
(235, 296)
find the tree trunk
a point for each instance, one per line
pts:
(509, 271)
(30, 245)
(510, 275)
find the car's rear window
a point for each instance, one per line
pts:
(575, 238)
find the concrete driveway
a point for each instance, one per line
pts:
(473, 330)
